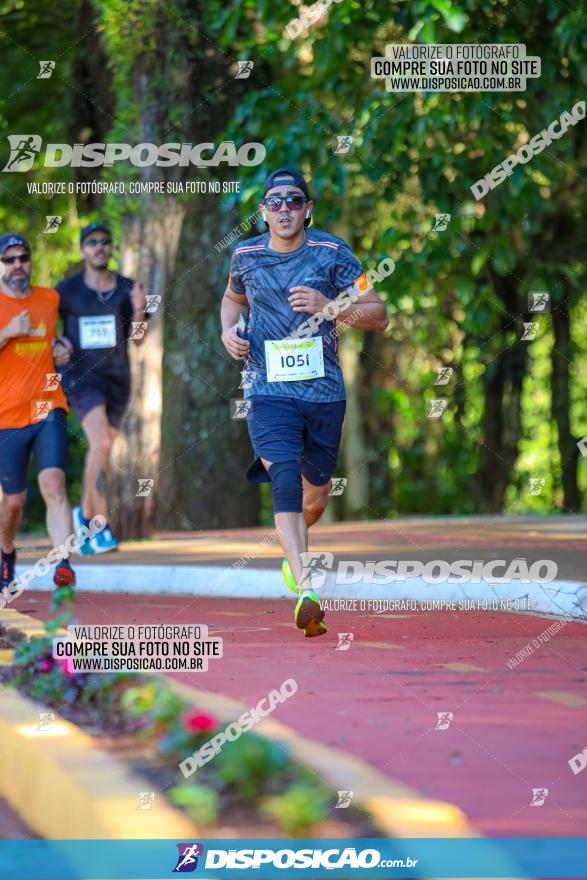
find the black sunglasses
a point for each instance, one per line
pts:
(92, 242)
(293, 201)
(25, 258)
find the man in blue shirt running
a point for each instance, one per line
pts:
(293, 283)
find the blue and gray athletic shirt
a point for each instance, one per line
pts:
(265, 276)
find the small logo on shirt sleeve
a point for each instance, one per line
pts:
(361, 282)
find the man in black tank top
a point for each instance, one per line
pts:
(101, 310)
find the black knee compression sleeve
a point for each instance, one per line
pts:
(286, 484)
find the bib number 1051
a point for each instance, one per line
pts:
(295, 360)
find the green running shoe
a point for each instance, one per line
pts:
(288, 577)
(309, 615)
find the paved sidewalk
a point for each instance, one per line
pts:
(511, 730)
(560, 538)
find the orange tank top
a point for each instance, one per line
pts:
(29, 387)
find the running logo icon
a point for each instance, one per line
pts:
(138, 329)
(316, 567)
(444, 719)
(344, 145)
(46, 68)
(23, 151)
(146, 799)
(441, 222)
(539, 795)
(152, 302)
(443, 375)
(52, 381)
(538, 302)
(240, 409)
(46, 720)
(53, 222)
(536, 485)
(437, 408)
(530, 331)
(41, 409)
(187, 860)
(145, 487)
(247, 379)
(344, 641)
(338, 485)
(244, 69)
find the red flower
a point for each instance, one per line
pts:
(65, 668)
(196, 722)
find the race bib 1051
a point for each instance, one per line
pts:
(293, 360)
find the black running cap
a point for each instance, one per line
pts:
(93, 227)
(10, 239)
(276, 177)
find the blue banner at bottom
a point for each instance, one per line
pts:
(512, 857)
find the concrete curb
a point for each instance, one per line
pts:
(64, 788)
(557, 598)
(98, 795)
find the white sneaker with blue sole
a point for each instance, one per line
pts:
(104, 541)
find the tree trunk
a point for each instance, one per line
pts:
(501, 422)
(378, 383)
(561, 357)
(93, 106)
(149, 246)
(354, 453)
(501, 428)
(205, 453)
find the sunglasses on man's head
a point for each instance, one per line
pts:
(293, 201)
(22, 258)
(92, 242)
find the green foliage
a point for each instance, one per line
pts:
(298, 809)
(154, 702)
(249, 764)
(239, 775)
(416, 155)
(50, 682)
(457, 297)
(200, 802)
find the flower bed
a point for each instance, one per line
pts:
(251, 782)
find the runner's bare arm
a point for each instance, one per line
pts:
(62, 349)
(232, 305)
(368, 312)
(138, 300)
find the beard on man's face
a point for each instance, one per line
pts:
(18, 279)
(99, 260)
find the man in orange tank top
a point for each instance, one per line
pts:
(33, 408)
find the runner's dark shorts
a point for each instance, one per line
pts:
(287, 429)
(46, 440)
(87, 397)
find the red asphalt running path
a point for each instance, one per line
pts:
(512, 730)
